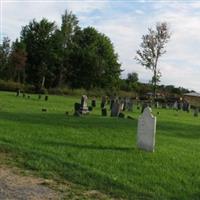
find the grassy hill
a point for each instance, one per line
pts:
(100, 152)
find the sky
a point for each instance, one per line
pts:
(124, 21)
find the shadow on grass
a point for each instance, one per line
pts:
(48, 165)
(177, 129)
(89, 146)
(56, 119)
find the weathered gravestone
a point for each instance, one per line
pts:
(196, 112)
(104, 112)
(46, 98)
(112, 100)
(24, 95)
(146, 130)
(84, 107)
(115, 110)
(18, 93)
(175, 106)
(130, 105)
(103, 102)
(93, 103)
(121, 105)
(77, 109)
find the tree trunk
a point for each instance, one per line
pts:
(43, 82)
(154, 84)
(18, 76)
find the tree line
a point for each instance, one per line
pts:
(49, 56)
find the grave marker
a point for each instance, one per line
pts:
(146, 130)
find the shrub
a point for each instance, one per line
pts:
(10, 86)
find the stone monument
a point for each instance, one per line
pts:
(146, 130)
(84, 107)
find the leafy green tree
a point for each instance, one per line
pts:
(132, 81)
(152, 48)
(94, 62)
(18, 61)
(63, 42)
(5, 59)
(37, 36)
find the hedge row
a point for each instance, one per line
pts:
(14, 86)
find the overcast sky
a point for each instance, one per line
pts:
(125, 22)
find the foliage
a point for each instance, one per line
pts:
(18, 61)
(95, 60)
(4, 59)
(37, 36)
(48, 56)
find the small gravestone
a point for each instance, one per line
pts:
(115, 109)
(130, 105)
(93, 103)
(196, 112)
(77, 106)
(44, 110)
(121, 105)
(146, 130)
(28, 97)
(39, 96)
(104, 112)
(84, 107)
(24, 95)
(175, 106)
(46, 98)
(112, 100)
(18, 93)
(103, 102)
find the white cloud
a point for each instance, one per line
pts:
(180, 65)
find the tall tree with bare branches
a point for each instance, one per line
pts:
(152, 48)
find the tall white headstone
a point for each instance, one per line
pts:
(146, 130)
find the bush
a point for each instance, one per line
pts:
(10, 86)
(14, 86)
(98, 92)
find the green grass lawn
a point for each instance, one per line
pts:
(100, 152)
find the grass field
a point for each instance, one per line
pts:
(100, 152)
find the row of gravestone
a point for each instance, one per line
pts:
(117, 106)
(178, 106)
(18, 93)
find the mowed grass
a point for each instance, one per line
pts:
(100, 152)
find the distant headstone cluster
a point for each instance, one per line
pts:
(115, 105)
(24, 95)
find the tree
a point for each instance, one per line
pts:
(151, 49)
(63, 43)
(5, 59)
(93, 60)
(132, 81)
(37, 36)
(18, 60)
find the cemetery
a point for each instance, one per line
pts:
(99, 100)
(140, 156)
